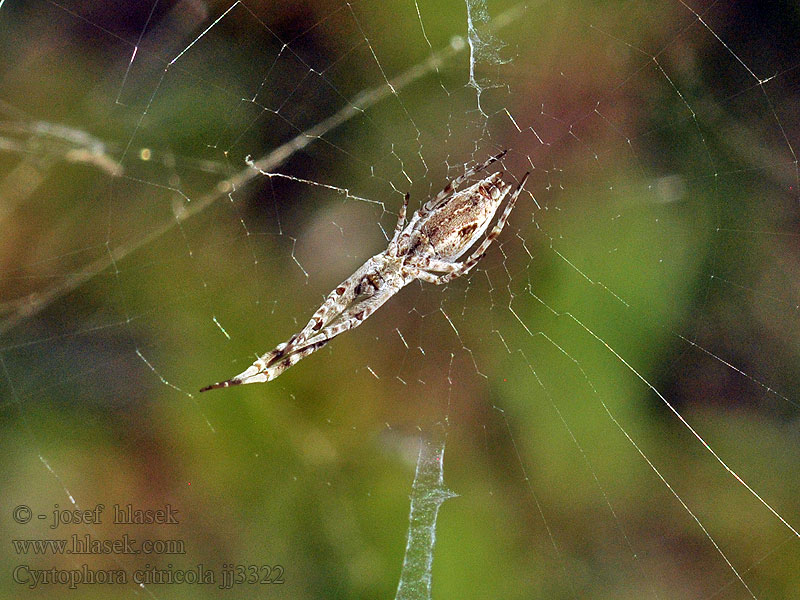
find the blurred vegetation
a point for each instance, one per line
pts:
(656, 250)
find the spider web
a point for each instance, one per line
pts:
(615, 383)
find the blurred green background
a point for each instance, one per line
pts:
(653, 259)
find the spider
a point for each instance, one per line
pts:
(428, 249)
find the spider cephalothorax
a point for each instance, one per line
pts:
(427, 248)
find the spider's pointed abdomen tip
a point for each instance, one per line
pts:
(222, 384)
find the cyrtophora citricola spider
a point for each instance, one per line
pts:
(427, 248)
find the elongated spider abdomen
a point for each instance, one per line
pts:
(459, 223)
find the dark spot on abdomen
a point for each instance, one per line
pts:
(468, 230)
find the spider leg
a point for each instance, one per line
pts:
(462, 269)
(401, 221)
(333, 306)
(349, 319)
(352, 317)
(262, 371)
(272, 364)
(251, 374)
(432, 264)
(341, 296)
(272, 371)
(289, 353)
(480, 252)
(427, 277)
